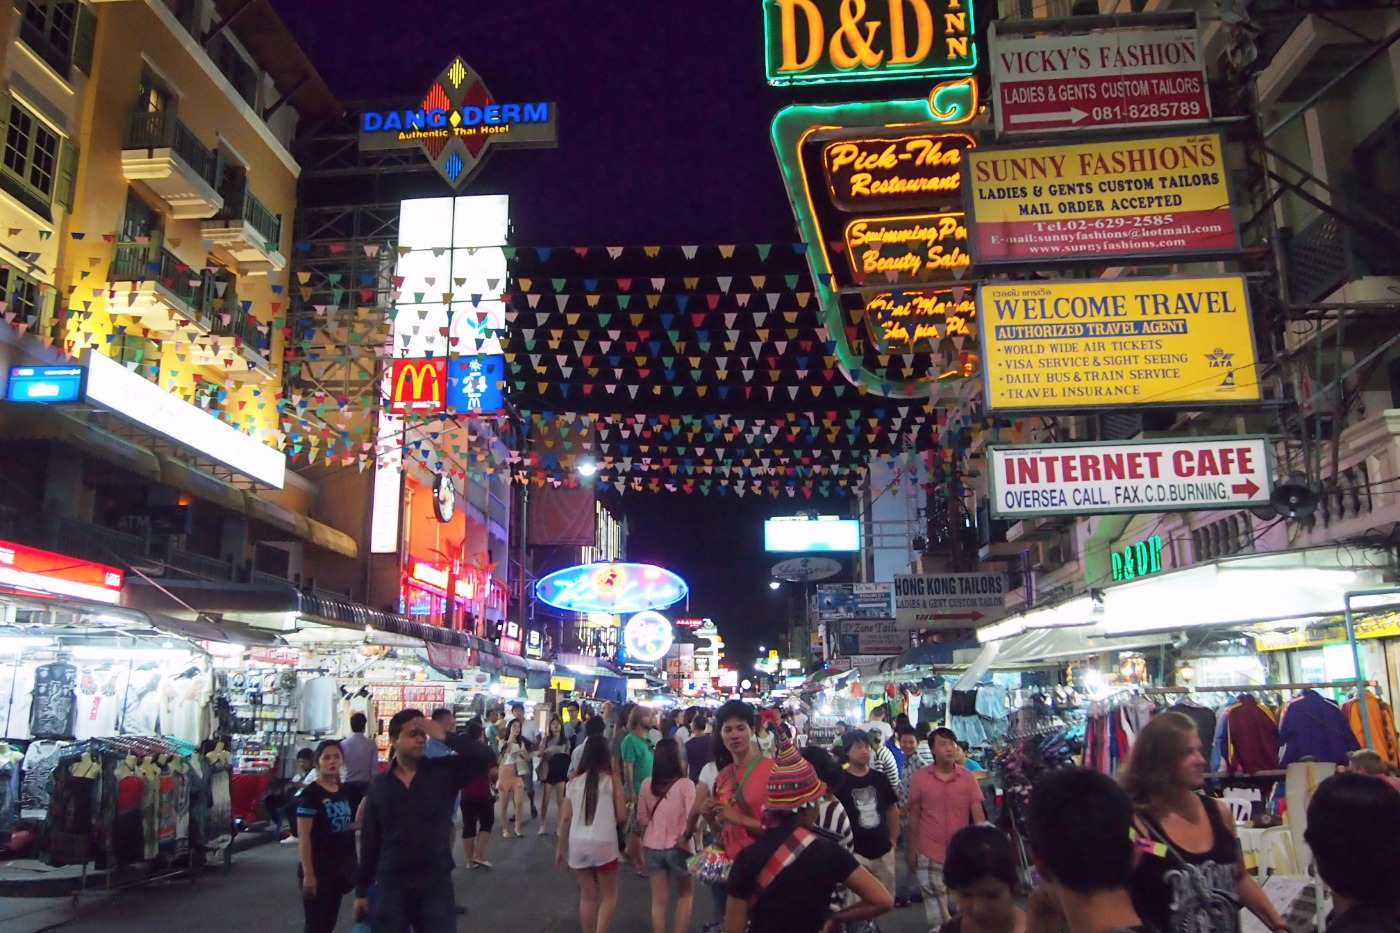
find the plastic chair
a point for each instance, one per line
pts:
(1276, 852)
(1242, 810)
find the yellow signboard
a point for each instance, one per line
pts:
(1139, 197)
(1117, 342)
(561, 683)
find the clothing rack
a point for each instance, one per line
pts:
(1259, 688)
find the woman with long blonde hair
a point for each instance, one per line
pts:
(1189, 875)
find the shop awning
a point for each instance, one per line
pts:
(28, 421)
(1232, 593)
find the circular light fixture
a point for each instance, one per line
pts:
(586, 467)
(775, 584)
(647, 636)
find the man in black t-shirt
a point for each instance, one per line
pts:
(873, 807)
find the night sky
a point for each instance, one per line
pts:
(663, 139)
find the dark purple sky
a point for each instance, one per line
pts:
(664, 120)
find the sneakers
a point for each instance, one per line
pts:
(482, 863)
(287, 841)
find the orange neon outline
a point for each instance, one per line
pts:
(850, 249)
(831, 185)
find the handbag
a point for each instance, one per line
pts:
(711, 865)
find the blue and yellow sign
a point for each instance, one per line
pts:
(1117, 342)
(458, 123)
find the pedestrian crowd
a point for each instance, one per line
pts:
(790, 839)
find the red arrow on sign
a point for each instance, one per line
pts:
(1247, 488)
(969, 616)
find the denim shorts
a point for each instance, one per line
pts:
(672, 861)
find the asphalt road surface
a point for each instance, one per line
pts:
(524, 891)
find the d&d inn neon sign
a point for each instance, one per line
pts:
(458, 123)
(816, 41)
(1138, 560)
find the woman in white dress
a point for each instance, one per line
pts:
(593, 809)
(509, 784)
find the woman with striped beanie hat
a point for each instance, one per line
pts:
(784, 881)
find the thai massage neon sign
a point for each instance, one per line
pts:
(614, 588)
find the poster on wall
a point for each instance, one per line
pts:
(1151, 198)
(1117, 342)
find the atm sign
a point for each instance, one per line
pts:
(418, 385)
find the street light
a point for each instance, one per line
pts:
(586, 467)
(775, 584)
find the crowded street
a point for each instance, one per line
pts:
(725, 466)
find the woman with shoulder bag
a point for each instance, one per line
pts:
(734, 799)
(663, 811)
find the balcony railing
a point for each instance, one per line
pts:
(138, 262)
(163, 130)
(255, 214)
(228, 319)
(1329, 252)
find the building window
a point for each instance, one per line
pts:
(229, 61)
(31, 158)
(22, 296)
(61, 32)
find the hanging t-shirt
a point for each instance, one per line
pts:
(185, 711)
(100, 695)
(51, 716)
(16, 696)
(39, 761)
(867, 800)
(141, 706)
(316, 711)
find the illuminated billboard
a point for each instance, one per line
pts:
(614, 588)
(474, 383)
(801, 535)
(418, 385)
(647, 637)
(45, 384)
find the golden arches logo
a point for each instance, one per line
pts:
(424, 379)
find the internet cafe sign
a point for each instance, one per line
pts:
(818, 41)
(459, 123)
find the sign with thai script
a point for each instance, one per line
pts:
(418, 385)
(948, 600)
(1129, 476)
(1118, 77)
(816, 41)
(908, 249)
(1106, 200)
(914, 320)
(45, 383)
(458, 123)
(1117, 342)
(903, 171)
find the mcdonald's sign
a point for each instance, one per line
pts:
(418, 385)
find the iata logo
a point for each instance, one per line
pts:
(418, 385)
(457, 124)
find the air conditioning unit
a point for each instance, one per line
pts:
(1046, 556)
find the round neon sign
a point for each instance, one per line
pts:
(647, 636)
(613, 588)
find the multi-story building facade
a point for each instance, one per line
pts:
(146, 197)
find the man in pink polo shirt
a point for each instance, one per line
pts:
(943, 798)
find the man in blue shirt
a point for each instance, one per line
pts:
(406, 844)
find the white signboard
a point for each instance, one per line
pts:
(948, 600)
(1136, 476)
(1119, 77)
(871, 636)
(113, 387)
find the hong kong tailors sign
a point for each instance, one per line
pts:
(1117, 77)
(1136, 476)
(458, 124)
(1105, 200)
(1117, 342)
(816, 41)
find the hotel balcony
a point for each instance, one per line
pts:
(235, 343)
(166, 157)
(1358, 501)
(246, 235)
(168, 295)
